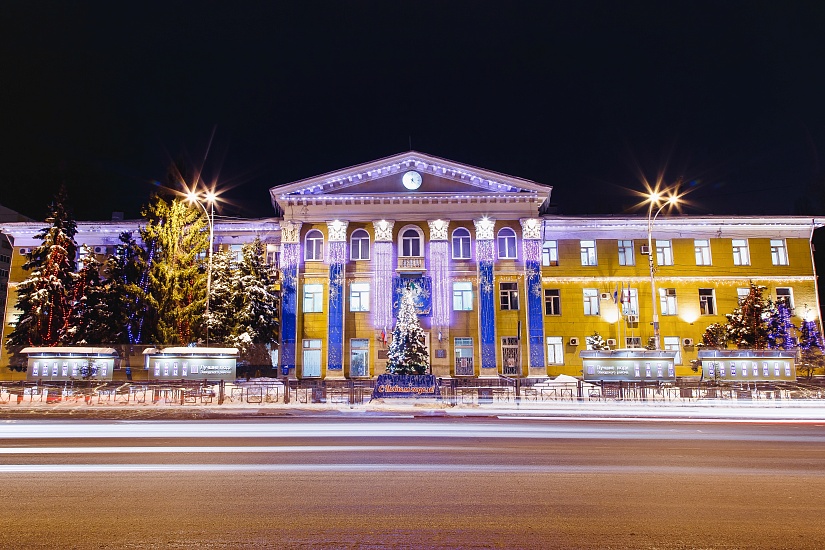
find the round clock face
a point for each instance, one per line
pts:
(411, 180)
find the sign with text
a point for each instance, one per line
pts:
(63, 368)
(406, 386)
(171, 367)
(753, 366)
(641, 366)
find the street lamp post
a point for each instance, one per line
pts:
(210, 218)
(653, 201)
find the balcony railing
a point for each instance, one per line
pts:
(410, 263)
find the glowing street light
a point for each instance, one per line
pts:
(655, 199)
(210, 198)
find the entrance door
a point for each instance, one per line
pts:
(510, 357)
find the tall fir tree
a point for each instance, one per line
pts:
(258, 315)
(44, 298)
(407, 353)
(127, 277)
(223, 299)
(780, 328)
(178, 236)
(747, 326)
(715, 336)
(811, 348)
(90, 321)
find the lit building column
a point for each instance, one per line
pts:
(337, 258)
(439, 272)
(382, 262)
(485, 254)
(290, 258)
(531, 242)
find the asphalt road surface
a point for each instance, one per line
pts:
(412, 483)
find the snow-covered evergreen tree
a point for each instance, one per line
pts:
(715, 336)
(596, 342)
(126, 272)
(811, 348)
(223, 299)
(780, 328)
(90, 321)
(44, 298)
(747, 326)
(407, 353)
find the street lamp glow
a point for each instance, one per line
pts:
(653, 201)
(210, 198)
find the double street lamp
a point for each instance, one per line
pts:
(209, 197)
(654, 200)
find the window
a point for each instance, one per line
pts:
(550, 253)
(552, 301)
(463, 356)
(507, 244)
(785, 296)
(702, 249)
(5, 259)
(626, 253)
(630, 301)
(591, 301)
(779, 252)
(672, 344)
(236, 253)
(633, 342)
(508, 295)
(273, 256)
(588, 252)
(741, 255)
(359, 297)
(742, 293)
(359, 357)
(313, 298)
(312, 358)
(314, 246)
(359, 245)
(462, 296)
(461, 244)
(410, 243)
(664, 253)
(707, 301)
(555, 350)
(667, 297)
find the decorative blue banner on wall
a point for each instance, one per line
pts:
(423, 294)
(335, 329)
(406, 385)
(289, 270)
(486, 304)
(535, 315)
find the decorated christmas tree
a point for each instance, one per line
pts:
(407, 354)
(715, 336)
(811, 348)
(747, 326)
(780, 328)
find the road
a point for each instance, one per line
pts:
(411, 483)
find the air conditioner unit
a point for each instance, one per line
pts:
(632, 318)
(574, 341)
(645, 249)
(100, 250)
(604, 295)
(611, 342)
(687, 342)
(24, 251)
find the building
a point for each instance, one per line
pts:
(504, 287)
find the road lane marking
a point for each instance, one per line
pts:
(224, 449)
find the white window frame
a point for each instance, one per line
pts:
(673, 343)
(591, 301)
(314, 298)
(630, 301)
(707, 301)
(506, 241)
(508, 297)
(786, 296)
(359, 350)
(555, 350)
(463, 349)
(462, 296)
(404, 240)
(741, 252)
(742, 293)
(555, 299)
(667, 301)
(633, 342)
(356, 245)
(779, 252)
(626, 256)
(314, 246)
(311, 358)
(461, 238)
(664, 252)
(587, 249)
(701, 248)
(359, 296)
(550, 253)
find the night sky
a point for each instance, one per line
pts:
(589, 97)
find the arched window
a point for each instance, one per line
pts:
(314, 246)
(359, 245)
(507, 244)
(461, 244)
(411, 243)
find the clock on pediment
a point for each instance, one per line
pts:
(411, 180)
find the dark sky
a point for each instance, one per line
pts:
(584, 96)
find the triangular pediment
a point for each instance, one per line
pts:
(385, 177)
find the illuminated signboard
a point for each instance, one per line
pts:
(191, 363)
(628, 365)
(61, 364)
(748, 365)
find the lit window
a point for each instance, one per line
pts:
(462, 296)
(359, 297)
(779, 252)
(507, 244)
(626, 253)
(671, 343)
(664, 253)
(555, 350)
(360, 245)
(411, 244)
(588, 252)
(552, 301)
(785, 296)
(359, 357)
(702, 250)
(742, 293)
(550, 253)
(630, 301)
(591, 301)
(461, 244)
(508, 295)
(707, 301)
(667, 296)
(741, 254)
(313, 298)
(312, 358)
(464, 356)
(633, 342)
(314, 246)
